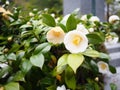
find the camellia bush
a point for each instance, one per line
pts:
(42, 52)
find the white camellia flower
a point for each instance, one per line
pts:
(52, 14)
(103, 67)
(111, 39)
(75, 41)
(55, 35)
(7, 2)
(94, 19)
(82, 29)
(61, 87)
(84, 17)
(31, 14)
(113, 19)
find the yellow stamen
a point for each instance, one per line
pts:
(76, 40)
(103, 66)
(56, 33)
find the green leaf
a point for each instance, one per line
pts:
(49, 20)
(62, 26)
(12, 86)
(37, 60)
(47, 81)
(2, 38)
(4, 71)
(91, 53)
(52, 87)
(61, 64)
(71, 23)
(94, 66)
(3, 58)
(104, 56)
(70, 78)
(95, 38)
(42, 48)
(26, 26)
(26, 66)
(113, 86)
(20, 54)
(112, 69)
(15, 47)
(11, 56)
(74, 61)
(19, 76)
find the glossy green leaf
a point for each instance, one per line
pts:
(12, 86)
(113, 86)
(62, 26)
(2, 38)
(74, 61)
(4, 71)
(26, 66)
(71, 23)
(37, 60)
(112, 69)
(94, 66)
(48, 20)
(26, 26)
(95, 38)
(61, 64)
(104, 56)
(91, 53)
(3, 58)
(42, 48)
(15, 47)
(11, 56)
(19, 76)
(52, 87)
(70, 78)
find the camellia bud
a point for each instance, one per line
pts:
(5, 50)
(7, 2)
(2, 88)
(10, 39)
(97, 79)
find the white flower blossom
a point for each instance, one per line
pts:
(113, 19)
(31, 14)
(55, 35)
(84, 17)
(61, 87)
(53, 15)
(103, 67)
(7, 2)
(94, 19)
(46, 9)
(82, 29)
(75, 41)
(91, 29)
(111, 39)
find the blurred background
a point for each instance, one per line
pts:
(56, 6)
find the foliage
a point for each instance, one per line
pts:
(32, 62)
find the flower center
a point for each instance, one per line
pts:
(103, 66)
(56, 33)
(76, 40)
